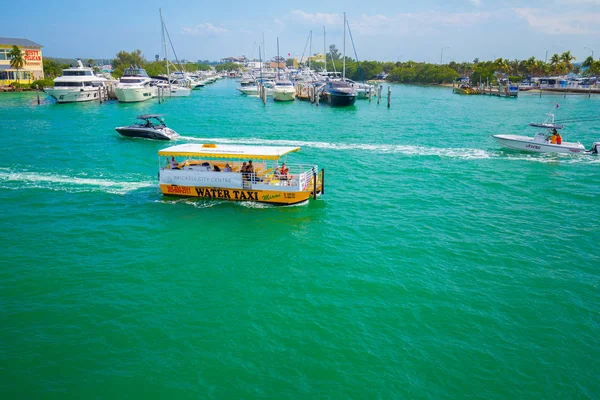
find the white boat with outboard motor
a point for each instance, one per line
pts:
(542, 141)
(149, 126)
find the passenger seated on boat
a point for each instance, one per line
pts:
(243, 171)
(227, 168)
(558, 138)
(174, 164)
(554, 136)
(284, 173)
(216, 168)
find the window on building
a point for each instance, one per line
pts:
(4, 54)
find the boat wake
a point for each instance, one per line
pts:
(379, 148)
(442, 152)
(12, 180)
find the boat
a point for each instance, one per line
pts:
(135, 86)
(149, 126)
(284, 90)
(213, 171)
(466, 88)
(541, 142)
(339, 93)
(77, 84)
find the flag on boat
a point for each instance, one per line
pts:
(288, 54)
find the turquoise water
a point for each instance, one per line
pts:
(436, 265)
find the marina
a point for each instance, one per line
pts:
(425, 248)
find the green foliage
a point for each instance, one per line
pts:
(42, 83)
(202, 67)
(125, 60)
(52, 69)
(17, 87)
(17, 61)
(515, 79)
(334, 53)
(411, 72)
(228, 66)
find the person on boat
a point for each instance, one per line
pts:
(558, 138)
(174, 164)
(244, 172)
(227, 168)
(284, 171)
(554, 136)
(216, 168)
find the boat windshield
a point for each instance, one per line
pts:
(284, 84)
(129, 80)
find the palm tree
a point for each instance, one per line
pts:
(554, 62)
(566, 59)
(16, 59)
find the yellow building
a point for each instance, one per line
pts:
(317, 57)
(32, 54)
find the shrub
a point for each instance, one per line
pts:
(42, 83)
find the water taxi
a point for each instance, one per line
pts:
(216, 171)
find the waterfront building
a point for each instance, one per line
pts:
(32, 53)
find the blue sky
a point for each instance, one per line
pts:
(385, 30)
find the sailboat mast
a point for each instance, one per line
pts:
(162, 29)
(325, 48)
(344, 60)
(310, 50)
(277, 58)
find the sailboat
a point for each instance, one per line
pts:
(171, 89)
(339, 92)
(284, 88)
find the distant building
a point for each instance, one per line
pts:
(274, 64)
(236, 60)
(317, 57)
(32, 53)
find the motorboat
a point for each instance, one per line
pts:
(148, 126)
(339, 93)
(284, 90)
(248, 87)
(541, 143)
(215, 171)
(174, 88)
(77, 84)
(135, 86)
(465, 88)
(362, 89)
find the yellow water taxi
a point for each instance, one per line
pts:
(216, 171)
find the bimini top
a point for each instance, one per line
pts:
(227, 151)
(547, 125)
(147, 116)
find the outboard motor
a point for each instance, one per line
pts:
(595, 148)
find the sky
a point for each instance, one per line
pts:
(383, 30)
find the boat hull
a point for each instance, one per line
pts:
(133, 95)
(275, 197)
(73, 96)
(249, 90)
(156, 134)
(525, 143)
(340, 100)
(287, 95)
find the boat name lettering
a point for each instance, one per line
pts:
(271, 196)
(179, 189)
(226, 194)
(531, 146)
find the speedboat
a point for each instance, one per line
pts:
(465, 88)
(77, 84)
(541, 142)
(149, 126)
(135, 85)
(339, 93)
(284, 90)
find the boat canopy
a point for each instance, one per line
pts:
(148, 116)
(547, 125)
(227, 151)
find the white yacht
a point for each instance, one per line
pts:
(135, 86)
(284, 90)
(76, 84)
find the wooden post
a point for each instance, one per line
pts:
(389, 95)
(37, 91)
(100, 94)
(379, 94)
(314, 185)
(317, 98)
(322, 180)
(370, 93)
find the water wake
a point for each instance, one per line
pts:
(28, 180)
(442, 152)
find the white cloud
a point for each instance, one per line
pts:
(579, 2)
(318, 18)
(204, 29)
(399, 24)
(565, 23)
(475, 2)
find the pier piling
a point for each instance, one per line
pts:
(389, 96)
(37, 91)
